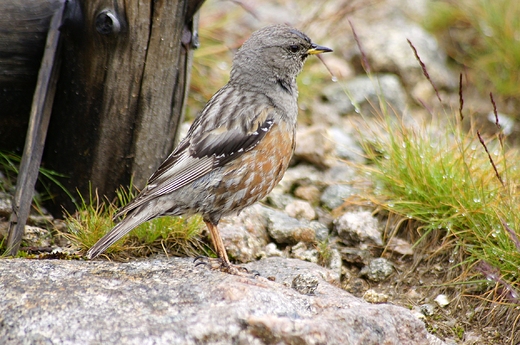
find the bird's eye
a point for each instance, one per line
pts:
(294, 48)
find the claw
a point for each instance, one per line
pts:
(221, 265)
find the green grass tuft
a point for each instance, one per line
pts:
(172, 235)
(446, 180)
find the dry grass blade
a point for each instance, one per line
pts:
(424, 69)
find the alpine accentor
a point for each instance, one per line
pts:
(238, 147)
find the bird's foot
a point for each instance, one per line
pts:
(221, 265)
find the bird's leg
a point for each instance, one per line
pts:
(222, 263)
(218, 244)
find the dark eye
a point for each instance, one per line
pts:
(294, 48)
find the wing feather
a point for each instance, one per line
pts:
(210, 143)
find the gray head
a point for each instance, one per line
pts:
(275, 52)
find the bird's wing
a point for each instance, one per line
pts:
(217, 137)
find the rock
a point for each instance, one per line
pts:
(305, 283)
(366, 93)
(334, 195)
(386, 47)
(340, 173)
(309, 193)
(5, 205)
(399, 246)
(285, 229)
(272, 250)
(345, 146)
(378, 269)
(278, 199)
(245, 235)
(320, 230)
(170, 301)
(36, 237)
(312, 146)
(355, 255)
(335, 262)
(358, 227)
(300, 251)
(372, 296)
(301, 210)
(300, 175)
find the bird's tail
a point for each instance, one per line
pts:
(125, 226)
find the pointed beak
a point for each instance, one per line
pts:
(316, 49)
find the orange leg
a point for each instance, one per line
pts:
(218, 244)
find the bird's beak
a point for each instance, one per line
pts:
(316, 49)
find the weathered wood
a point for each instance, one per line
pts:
(35, 139)
(23, 30)
(121, 93)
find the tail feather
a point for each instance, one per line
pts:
(125, 226)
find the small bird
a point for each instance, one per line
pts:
(237, 149)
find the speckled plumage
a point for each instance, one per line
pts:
(239, 146)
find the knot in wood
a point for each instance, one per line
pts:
(107, 23)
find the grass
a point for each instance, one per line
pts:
(455, 180)
(483, 35)
(9, 163)
(171, 235)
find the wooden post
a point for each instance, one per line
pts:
(121, 92)
(36, 133)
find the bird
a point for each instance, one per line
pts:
(237, 148)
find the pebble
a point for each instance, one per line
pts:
(305, 283)
(378, 269)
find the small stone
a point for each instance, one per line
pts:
(334, 195)
(5, 205)
(278, 199)
(399, 246)
(301, 252)
(355, 255)
(312, 146)
(335, 262)
(37, 237)
(272, 250)
(305, 283)
(378, 269)
(285, 229)
(372, 296)
(309, 193)
(442, 300)
(427, 309)
(301, 210)
(358, 227)
(356, 286)
(321, 231)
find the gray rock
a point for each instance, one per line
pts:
(321, 231)
(285, 229)
(358, 227)
(355, 255)
(378, 269)
(386, 47)
(301, 252)
(300, 175)
(301, 210)
(345, 146)
(309, 193)
(272, 250)
(340, 173)
(173, 302)
(365, 93)
(6, 206)
(245, 235)
(312, 145)
(334, 195)
(305, 283)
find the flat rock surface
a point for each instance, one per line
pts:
(170, 301)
